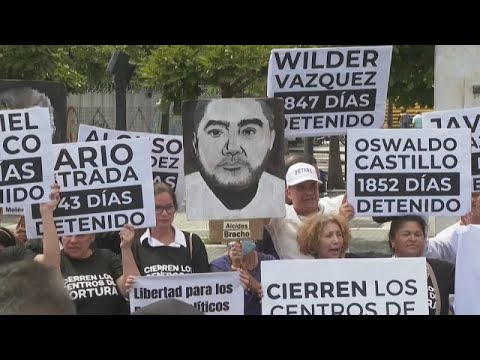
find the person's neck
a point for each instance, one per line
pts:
(306, 212)
(234, 200)
(476, 220)
(164, 234)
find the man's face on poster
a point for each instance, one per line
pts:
(233, 143)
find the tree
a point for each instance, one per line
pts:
(79, 67)
(185, 72)
(411, 76)
(38, 62)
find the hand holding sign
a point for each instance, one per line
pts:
(129, 283)
(249, 283)
(50, 206)
(346, 209)
(236, 255)
(127, 235)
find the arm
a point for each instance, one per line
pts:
(130, 269)
(248, 281)
(51, 247)
(220, 264)
(444, 245)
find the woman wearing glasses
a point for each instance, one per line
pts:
(164, 249)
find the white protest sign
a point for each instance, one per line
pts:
(26, 158)
(467, 271)
(328, 90)
(218, 293)
(167, 154)
(103, 186)
(457, 119)
(388, 286)
(409, 171)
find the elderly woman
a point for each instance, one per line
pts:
(324, 236)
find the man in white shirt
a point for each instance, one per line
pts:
(302, 189)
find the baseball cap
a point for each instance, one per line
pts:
(299, 173)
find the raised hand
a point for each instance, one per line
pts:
(54, 200)
(346, 209)
(249, 283)
(127, 235)
(236, 255)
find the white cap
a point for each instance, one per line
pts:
(301, 172)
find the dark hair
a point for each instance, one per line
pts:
(196, 110)
(7, 238)
(30, 288)
(397, 223)
(161, 187)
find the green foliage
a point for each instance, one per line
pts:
(188, 71)
(411, 75)
(79, 67)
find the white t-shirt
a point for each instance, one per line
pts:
(444, 245)
(284, 230)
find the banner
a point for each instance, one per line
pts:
(103, 186)
(409, 171)
(218, 293)
(26, 159)
(387, 286)
(329, 90)
(459, 119)
(167, 154)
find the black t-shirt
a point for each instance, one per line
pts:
(91, 283)
(168, 260)
(445, 278)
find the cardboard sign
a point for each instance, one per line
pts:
(231, 230)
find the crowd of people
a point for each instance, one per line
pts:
(99, 270)
(312, 229)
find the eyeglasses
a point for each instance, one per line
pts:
(169, 209)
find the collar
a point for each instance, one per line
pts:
(178, 241)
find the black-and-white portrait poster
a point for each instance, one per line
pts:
(26, 156)
(17, 94)
(234, 166)
(329, 90)
(457, 119)
(409, 171)
(103, 186)
(167, 154)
